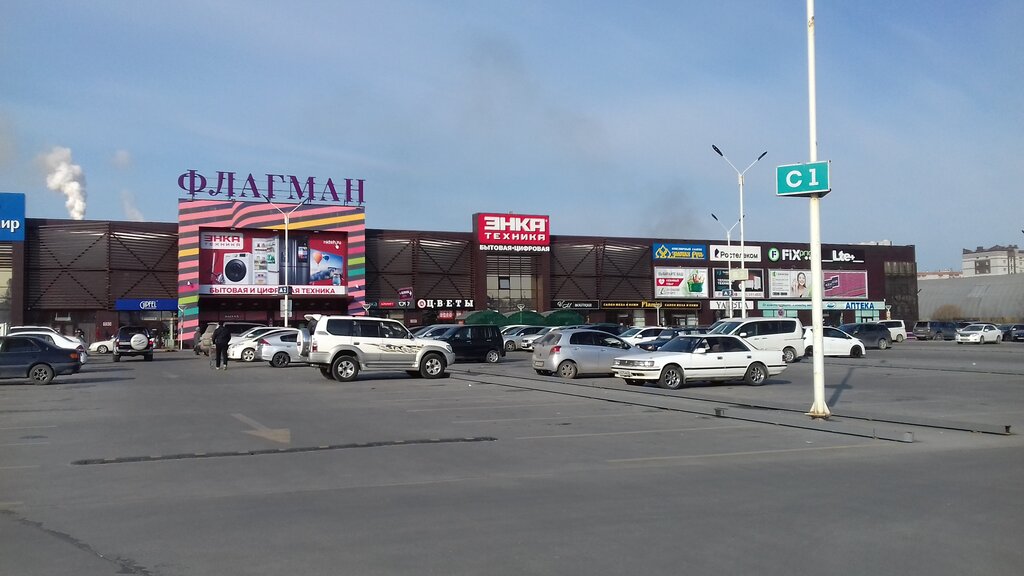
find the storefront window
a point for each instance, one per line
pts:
(510, 283)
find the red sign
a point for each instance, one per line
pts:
(501, 231)
(446, 315)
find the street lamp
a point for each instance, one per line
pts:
(287, 312)
(728, 242)
(743, 256)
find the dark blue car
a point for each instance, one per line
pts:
(27, 357)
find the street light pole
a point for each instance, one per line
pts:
(287, 312)
(728, 242)
(743, 255)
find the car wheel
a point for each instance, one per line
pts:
(856, 352)
(883, 343)
(756, 375)
(510, 346)
(432, 366)
(567, 369)
(938, 336)
(41, 374)
(634, 382)
(788, 355)
(103, 349)
(345, 368)
(280, 360)
(899, 338)
(672, 378)
(117, 357)
(809, 351)
(999, 338)
(493, 356)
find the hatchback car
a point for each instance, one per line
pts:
(30, 358)
(514, 339)
(934, 330)
(872, 334)
(710, 358)
(243, 347)
(979, 334)
(835, 342)
(279, 348)
(570, 353)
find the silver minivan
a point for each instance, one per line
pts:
(783, 334)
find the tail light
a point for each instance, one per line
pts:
(556, 349)
(74, 355)
(312, 345)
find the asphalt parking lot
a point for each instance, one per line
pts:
(168, 467)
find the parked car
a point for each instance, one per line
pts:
(514, 339)
(279, 348)
(235, 328)
(634, 336)
(134, 341)
(934, 330)
(872, 334)
(435, 330)
(342, 346)
(897, 329)
(570, 353)
(527, 341)
(27, 357)
(783, 334)
(835, 342)
(244, 347)
(1009, 329)
(1018, 335)
(979, 334)
(59, 340)
(704, 357)
(22, 329)
(477, 342)
(505, 330)
(102, 346)
(609, 327)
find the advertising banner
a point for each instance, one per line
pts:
(726, 253)
(251, 262)
(680, 282)
(12, 217)
(575, 304)
(512, 232)
(679, 251)
(837, 284)
(754, 283)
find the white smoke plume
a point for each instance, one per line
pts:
(68, 179)
(131, 210)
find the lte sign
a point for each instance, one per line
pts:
(12, 217)
(802, 179)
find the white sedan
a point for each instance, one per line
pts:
(245, 349)
(835, 341)
(700, 357)
(979, 334)
(102, 346)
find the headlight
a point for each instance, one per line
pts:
(647, 363)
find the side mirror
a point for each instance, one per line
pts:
(700, 351)
(743, 334)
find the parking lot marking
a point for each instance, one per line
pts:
(27, 427)
(24, 444)
(19, 467)
(654, 431)
(618, 415)
(732, 454)
(493, 407)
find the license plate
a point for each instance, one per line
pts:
(538, 364)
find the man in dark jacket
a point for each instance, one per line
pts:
(221, 338)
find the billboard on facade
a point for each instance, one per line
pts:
(679, 251)
(512, 232)
(732, 253)
(680, 282)
(12, 217)
(754, 283)
(843, 284)
(252, 262)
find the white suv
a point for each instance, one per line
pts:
(341, 346)
(897, 329)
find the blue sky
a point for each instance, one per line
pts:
(599, 114)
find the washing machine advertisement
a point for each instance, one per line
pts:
(259, 263)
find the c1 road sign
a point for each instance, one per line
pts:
(802, 179)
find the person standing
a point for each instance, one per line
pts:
(221, 338)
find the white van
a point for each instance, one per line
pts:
(897, 329)
(783, 334)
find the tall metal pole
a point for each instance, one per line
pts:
(819, 409)
(743, 256)
(286, 313)
(728, 243)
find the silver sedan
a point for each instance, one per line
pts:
(279, 348)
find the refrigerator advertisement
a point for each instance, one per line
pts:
(252, 262)
(754, 283)
(680, 282)
(843, 284)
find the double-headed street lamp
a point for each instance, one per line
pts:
(287, 312)
(743, 256)
(728, 242)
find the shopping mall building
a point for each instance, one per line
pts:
(236, 257)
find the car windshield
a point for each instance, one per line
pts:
(681, 344)
(972, 328)
(435, 332)
(630, 332)
(725, 327)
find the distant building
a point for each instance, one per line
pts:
(940, 275)
(994, 261)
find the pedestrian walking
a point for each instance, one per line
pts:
(221, 338)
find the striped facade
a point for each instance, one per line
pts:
(196, 214)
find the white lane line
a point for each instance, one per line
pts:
(25, 444)
(26, 427)
(730, 454)
(655, 431)
(493, 407)
(18, 467)
(581, 416)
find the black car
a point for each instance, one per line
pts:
(872, 334)
(134, 341)
(1010, 329)
(39, 361)
(474, 342)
